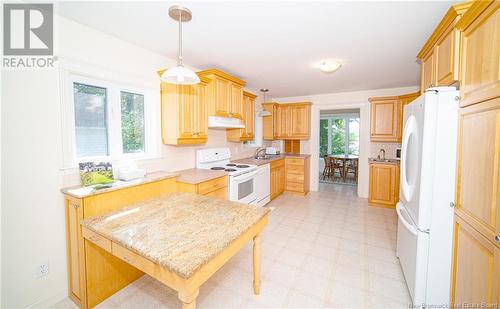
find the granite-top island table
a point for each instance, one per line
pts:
(181, 239)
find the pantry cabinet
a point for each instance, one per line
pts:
(224, 94)
(289, 121)
(277, 175)
(384, 184)
(476, 242)
(248, 120)
(440, 56)
(184, 113)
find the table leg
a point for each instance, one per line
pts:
(188, 299)
(256, 264)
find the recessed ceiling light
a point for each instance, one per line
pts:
(329, 65)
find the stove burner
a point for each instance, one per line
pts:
(231, 164)
(217, 168)
(242, 166)
(230, 170)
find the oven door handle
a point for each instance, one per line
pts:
(245, 176)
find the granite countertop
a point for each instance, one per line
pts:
(179, 231)
(254, 161)
(386, 161)
(81, 192)
(197, 175)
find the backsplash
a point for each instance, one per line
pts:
(390, 149)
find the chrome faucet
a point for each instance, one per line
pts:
(382, 151)
(259, 150)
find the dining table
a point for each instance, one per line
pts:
(345, 158)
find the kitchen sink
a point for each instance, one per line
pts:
(264, 157)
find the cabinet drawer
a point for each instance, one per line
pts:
(212, 185)
(295, 169)
(277, 163)
(299, 178)
(133, 259)
(295, 161)
(295, 186)
(97, 239)
(220, 193)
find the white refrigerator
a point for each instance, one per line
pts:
(425, 209)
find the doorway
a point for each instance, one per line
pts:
(339, 136)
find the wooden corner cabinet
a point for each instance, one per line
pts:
(384, 184)
(386, 117)
(440, 56)
(248, 119)
(289, 121)
(184, 113)
(224, 94)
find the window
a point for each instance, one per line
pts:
(112, 122)
(339, 135)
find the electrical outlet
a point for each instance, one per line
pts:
(42, 270)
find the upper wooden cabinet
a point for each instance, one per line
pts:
(184, 113)
(224, 94)
(289, 121)
(440, 55)
(248, 115)
(387, 117)
(480, 67)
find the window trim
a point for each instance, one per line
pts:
(113, 118)
(346, 118)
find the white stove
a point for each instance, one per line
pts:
(242, 183)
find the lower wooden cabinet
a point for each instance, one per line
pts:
(475, 267)
(214, 187)
(384, 184)
(277, 174)
(297, 175)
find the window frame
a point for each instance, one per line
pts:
(113, 118)
(346, 118)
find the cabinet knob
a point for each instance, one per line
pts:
(497, 238)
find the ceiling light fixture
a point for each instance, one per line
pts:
(329, 65)
(264, 113)
(180, 75)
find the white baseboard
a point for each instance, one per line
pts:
(50, 301)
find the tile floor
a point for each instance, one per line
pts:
(325, 250)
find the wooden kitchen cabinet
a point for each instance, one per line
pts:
(290, 121)
(297, 175)
(277, 181)
(386, 117)
(94, 273)
(475, 267)
(480, 57)
(384, 184)
(440, 56)
(224, 94)
(184, 114)
(248, 115)
(216, 187)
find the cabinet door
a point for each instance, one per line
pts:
(446, 53)
(480, 72)
(268, 122)
(222, 97)
(74, 214)
(383, 184)
(384, 120)
(281, 179)
(187, 97)
(300, 120)
(428, 74)
(478, 180)
(475, 267)
(200, 111)
(283, 125)
(274, 182)
(236, 103)
(249, 117)
(404, 100)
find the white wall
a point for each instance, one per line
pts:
(32, 222)
(343, 100)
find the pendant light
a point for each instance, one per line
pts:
(264, 113)
(180, 75)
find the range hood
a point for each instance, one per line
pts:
(215, 122)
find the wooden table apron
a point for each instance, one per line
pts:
(187, 288)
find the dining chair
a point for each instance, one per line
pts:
(352, 168)
(338, 166)
(327, 171)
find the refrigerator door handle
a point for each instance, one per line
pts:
(410, 227)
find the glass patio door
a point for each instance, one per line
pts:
(339, 135)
